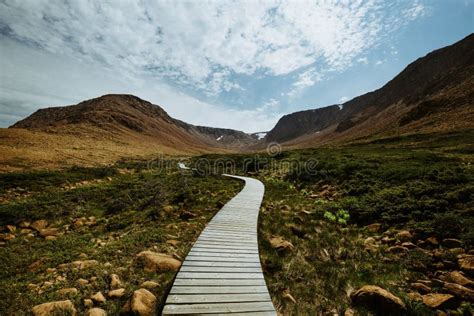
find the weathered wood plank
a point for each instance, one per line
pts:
(218, 308)
(218, 289)
(220, 269)
(218, 275)
(217, 298)
(219, 282)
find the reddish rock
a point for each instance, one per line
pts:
(377, 299)
(441, 301)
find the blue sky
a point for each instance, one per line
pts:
(225, 64)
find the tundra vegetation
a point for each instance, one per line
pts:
(390, 219)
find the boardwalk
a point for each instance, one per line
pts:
(222, 272)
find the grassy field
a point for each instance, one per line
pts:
(319, 200)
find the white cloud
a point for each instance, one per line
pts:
(203, 44)
(363, 60)
(306, 79)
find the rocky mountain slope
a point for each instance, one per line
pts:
(433, 93)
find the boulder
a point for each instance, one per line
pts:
(280, 244)
(96, 312)
(54, 308)
(143, 303)
(39, 224)
(82, 282)
(115, 282)
(441, 301)
(460, 291)
(451, 243)
(186, 215)
(88, 302)
(458, 278)
(397, 249)
(79, 264)
(415, 296)
(467, 264)
(172, 242)
(49, 232)
(374, 227)
(68, 291)
(98, 297)
(154, 261)
(378, 299)
(116, 293)
(432, 241)
(370, 244)
(404, 235)
(420, 287)
(11, 228)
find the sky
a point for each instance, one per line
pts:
(232, 64)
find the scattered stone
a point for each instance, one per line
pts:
(68, 291)
(168, 208)
(404, 235)
(370, 244)
(409, 245)
(35, 266)
(88, 302)
(8, 237)
(49, 232)
(349, 312)
(376, 298)
(54, 308)
(154, 261)
(143, 302)
(79, 264)
(432, 241)
(83, 256)
(460, 291)
(25, 224)
(280, 244)
(39, 224)
(397, 249)
(50, 238)
(458, 278)
(441, 301)
(116, 293)
(186, 215)
(150, 285)
(387, 240)
(115, 282)
(172, 242)
(98, 297)
(374, 228)
(82, 282)
(25, 231)
(11, 228)
(467, 263)
(420, 287)
(96, 312)
(451, 243)
(415, 296)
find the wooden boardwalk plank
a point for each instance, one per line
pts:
(222, 275)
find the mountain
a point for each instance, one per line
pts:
(105, 129)
(434, 93)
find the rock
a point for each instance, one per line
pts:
(25, 231)
(116, 293)
(79, 264)
(54, 308)
(172, 242)
(432, 241)
(49, 232)
(168, 209)
(377, 299)
(374, 227)
(409, 245)
(370, 244)
(415, 296)
(397, 249)
(25, 224)
(83, 256)
(8, 237)
(82, 282)
(441, 301)
(150, 285)
(78, 223)
(458, 278)
(387, 240)
(39, 224)
(451, 243)
(349, 312)
(88, 302)
(115, 282)
(96, 312)
(35, 266)
(186, 215)
(158, 261)
(143, 302)
(420, 287)
(50, 238)
(467, 264)
(460, 291)
(11, 228)
(98, 297)
(68, 291)
(280, 244)
(404, 235)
